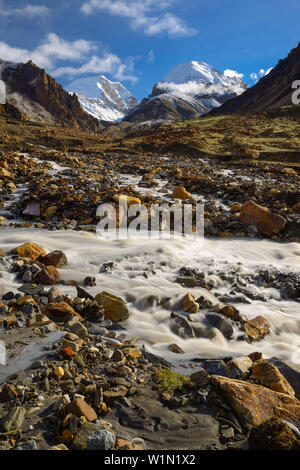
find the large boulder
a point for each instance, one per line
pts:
(254, 404)
(114, 307)
(29, 250)
(264, 220)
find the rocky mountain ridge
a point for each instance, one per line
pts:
(271, 92)
(38, 97)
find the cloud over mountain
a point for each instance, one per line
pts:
(81, 56)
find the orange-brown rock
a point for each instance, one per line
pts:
(270, 376)
(230, 312)
(114, 307)
(122, 444)
(79, 407)
(5, 173)
(126, 200)
(56, 258)
(29, 250)
(181, 193)
(264, 220)
(10, 320)
(254, 404)
(189, 304)
(61, 311)
(67, 352)
(48, 276)
(257, 328)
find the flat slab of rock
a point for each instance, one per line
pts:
(163, 428)
(29, 250)
(254, 404)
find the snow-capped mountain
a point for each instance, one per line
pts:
(103, 99)
(202, 81)
(188, 91)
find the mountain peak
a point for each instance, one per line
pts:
(37, 96)
(187, 91)
(102, 98)
(197, 71)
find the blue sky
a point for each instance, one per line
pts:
(139, 41)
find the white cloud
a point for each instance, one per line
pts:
(108, 63)
(29, 12)
(194, 88)
(233, 74)
(54, 50)
(145, 15)
(255, 76)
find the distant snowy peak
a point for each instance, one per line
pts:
(103, 99)
(199, 72)
(192, 72)
(187, 92)
(199, 79)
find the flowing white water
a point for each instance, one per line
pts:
(144, 273)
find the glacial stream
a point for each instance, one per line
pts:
(144, 272)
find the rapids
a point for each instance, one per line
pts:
(144, 273)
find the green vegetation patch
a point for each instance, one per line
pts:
(169, 381)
